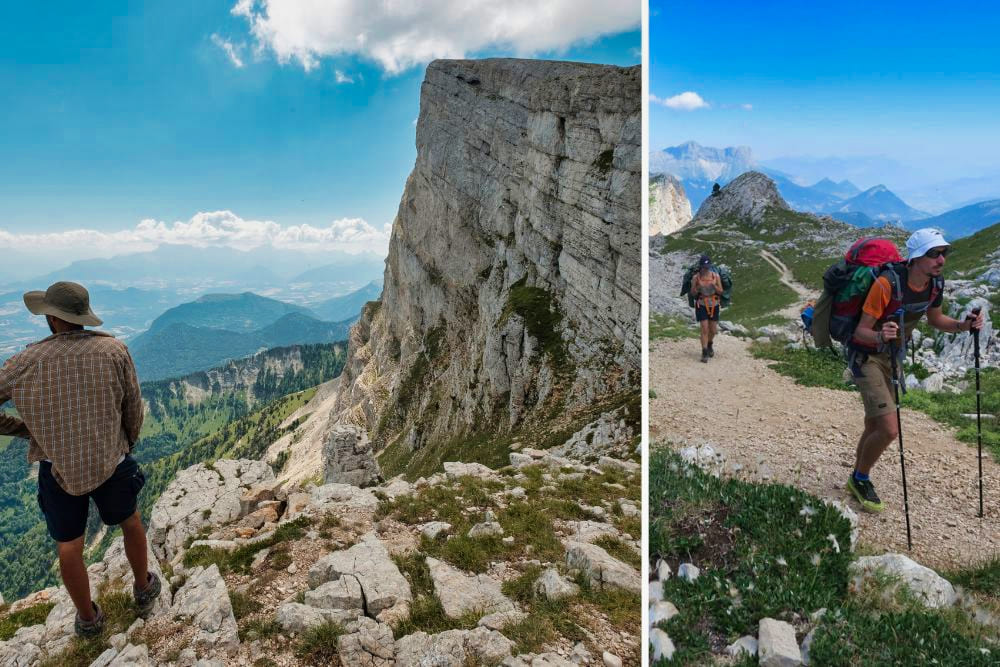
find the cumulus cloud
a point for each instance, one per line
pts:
(686, 101)
(230, 49)
(215, 228)
(399, 35)
(342, 77)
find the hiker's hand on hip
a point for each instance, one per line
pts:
(890, 331)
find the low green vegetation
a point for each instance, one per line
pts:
(541, 317)
(11, 623)
(983, 578)
(318, 644)
(119, 610)
(239, 560)
(670, 327)
(426, 612)
(775, 551)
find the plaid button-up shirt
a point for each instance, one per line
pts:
(78, 396)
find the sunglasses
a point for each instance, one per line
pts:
(934, 253)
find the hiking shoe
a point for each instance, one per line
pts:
(865, 493)
(704, 356)
(711, 350)
(89, 629)
(145, 599)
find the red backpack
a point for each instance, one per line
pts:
(846, 284)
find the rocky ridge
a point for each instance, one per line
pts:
(254, 566)
(669, 208)
(746, 197)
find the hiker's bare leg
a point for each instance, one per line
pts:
(74, 576)
(135, 547)
(879, 434)
(704, 334)
(713, 328)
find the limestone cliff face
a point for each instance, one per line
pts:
(669, 208)
(512, 284)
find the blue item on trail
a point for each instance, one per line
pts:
(807, 318)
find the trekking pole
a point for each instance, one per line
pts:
(979, 417)
(899, 428)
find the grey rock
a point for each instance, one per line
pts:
(669, 208)
(602, 570)
(461, 593)
(745, 644)
(104, 659)
(132, 656)
(371, 645)
(806, 645)
(486, 529)
(457, 469)
(296, 617)
(661, 610)
(368, 561)
(348, 457)
(501, 619)
(434, 528)
(776, 644)
(344, 593)
(199, 497)
(932, 590)
(539, 660)
(688, 572)
(453, 648)
(611, 660)
(342, 497)
(203, 602)
(746, 197)
(662, 646)
(552, 586)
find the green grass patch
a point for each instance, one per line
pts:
(984, 578)
(541, 316)
(319, 644)
(240, 559)
(119, 610)
(24, 618)
(259, 628)
(670, 327)
(807, 366)
(761, 556)
(754, 547)
(616, 548)
(243, 605)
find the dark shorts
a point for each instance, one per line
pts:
(66, 515)
(701, 313)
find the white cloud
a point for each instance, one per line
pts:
(215, 228)
(230, 49)
(687, 101)
(746, 107)
(399, 35)
(342, 77)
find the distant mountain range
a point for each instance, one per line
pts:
(966, 220)
(172, 267)
(205, 333)
(349, 305)
(700, 167)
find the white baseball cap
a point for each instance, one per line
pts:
(923, 240)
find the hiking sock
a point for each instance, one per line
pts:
(860, 476)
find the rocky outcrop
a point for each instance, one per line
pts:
(512, 283)
(199, 497)
(747, 197)
(669, 208)
(348, 457)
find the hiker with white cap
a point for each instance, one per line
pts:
(79, 404)
(887, 320)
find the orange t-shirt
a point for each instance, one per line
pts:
(880, 295)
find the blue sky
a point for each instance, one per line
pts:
(116, 112)
(917, 82)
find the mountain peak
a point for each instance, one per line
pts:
(747, 197)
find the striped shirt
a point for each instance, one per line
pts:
(78, 396)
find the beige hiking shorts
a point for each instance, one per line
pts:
(875, 386)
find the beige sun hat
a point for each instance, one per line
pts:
(65, 300)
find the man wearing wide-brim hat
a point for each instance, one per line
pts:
(79, 404)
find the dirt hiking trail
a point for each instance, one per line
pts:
(778, 431)
(788, 280)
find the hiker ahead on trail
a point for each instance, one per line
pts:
(79, 404)
(897, 300)
(706, 287)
